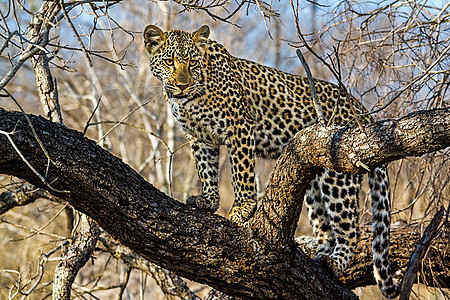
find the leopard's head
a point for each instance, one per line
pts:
(176, 58)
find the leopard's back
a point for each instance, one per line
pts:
(283, 105)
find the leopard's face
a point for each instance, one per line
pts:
(176, 58)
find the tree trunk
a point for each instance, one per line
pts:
(257, 260)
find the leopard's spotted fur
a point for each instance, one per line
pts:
(255, 110)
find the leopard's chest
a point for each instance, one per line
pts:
(199, 120)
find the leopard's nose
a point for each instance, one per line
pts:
(182, 87)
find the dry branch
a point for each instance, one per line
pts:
(260, 260)
(431, 232)
(21, 196)
(171, 285)
(76, 257)
(435, 269)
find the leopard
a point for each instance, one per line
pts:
(254, 111)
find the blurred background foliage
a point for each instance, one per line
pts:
(393, 56)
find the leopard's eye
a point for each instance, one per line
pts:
(193, 63)
(168, 61)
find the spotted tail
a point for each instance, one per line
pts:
(381, 220)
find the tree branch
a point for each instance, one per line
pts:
(23, 195)
(260, 260)
(76, 257)
(171, 285)
(195, 244)
(403, 242)
(414, 264)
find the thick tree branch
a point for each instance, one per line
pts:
(256, 261)
(435, 272)
(171, 285)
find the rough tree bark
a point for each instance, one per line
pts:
(75, 258)
(435, 272)
(258, 260)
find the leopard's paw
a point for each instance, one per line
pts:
(241, 214)
(203, 202)
(329, 264)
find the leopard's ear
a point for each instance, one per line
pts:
(154, 37)
(201, 37)
(202, 34)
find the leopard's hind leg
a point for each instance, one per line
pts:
(332, 202)
(318, 216)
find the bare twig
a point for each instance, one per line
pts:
(31, 126)
(80, 42)
(312, 86)
(171, 285)
(416, 258)
(334, 71)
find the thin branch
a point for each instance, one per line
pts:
(171, 285)
(122, 120)
(31, 126)
(410, 84)
(20, 196)
(312, 86)
(80, 42)
(39, 230)
(6, 41)
(336, 73)
(40, 38)
(15, 68)
(32, 231)
(416, 259)
(40, 274)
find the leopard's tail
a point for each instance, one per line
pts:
(381, 220)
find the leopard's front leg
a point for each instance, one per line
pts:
(241, 149)
(206, 158)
